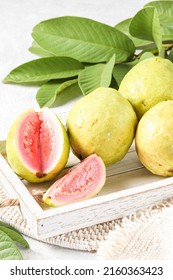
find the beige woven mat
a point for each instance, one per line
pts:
(147, 234)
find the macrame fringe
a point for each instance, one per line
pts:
(118, 240)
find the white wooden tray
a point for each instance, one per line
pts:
(129, 187)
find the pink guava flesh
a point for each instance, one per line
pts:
(82, 181)
(36, 142)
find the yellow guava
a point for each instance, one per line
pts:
(102, 123)
(154, 139)
(147, 83)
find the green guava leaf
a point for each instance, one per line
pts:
(98, 75)
(44, 69)
(145, 25)
(67, 95)
(15, 236)
(8, 249)
(165, 13)
(120, 70)
(90, 78)
(3, 224)
(123, 26)
(48, 92)
(83, 39)
(36, 49)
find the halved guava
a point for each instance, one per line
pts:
(83, 181)
(37, 145)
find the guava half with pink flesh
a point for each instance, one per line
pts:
(37, 145)
(83, 181)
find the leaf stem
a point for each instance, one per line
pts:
(162, 52)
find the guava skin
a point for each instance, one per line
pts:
(18, 161)
(148, 83)
(104, 123)
(154, 139)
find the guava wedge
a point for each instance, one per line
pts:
(81, 182)
(37, 145)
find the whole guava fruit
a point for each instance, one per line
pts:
(154, 139)
(83, 181)
(148, 83)
(37, 145)
(103, 123)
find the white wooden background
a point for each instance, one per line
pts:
(17, 17)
